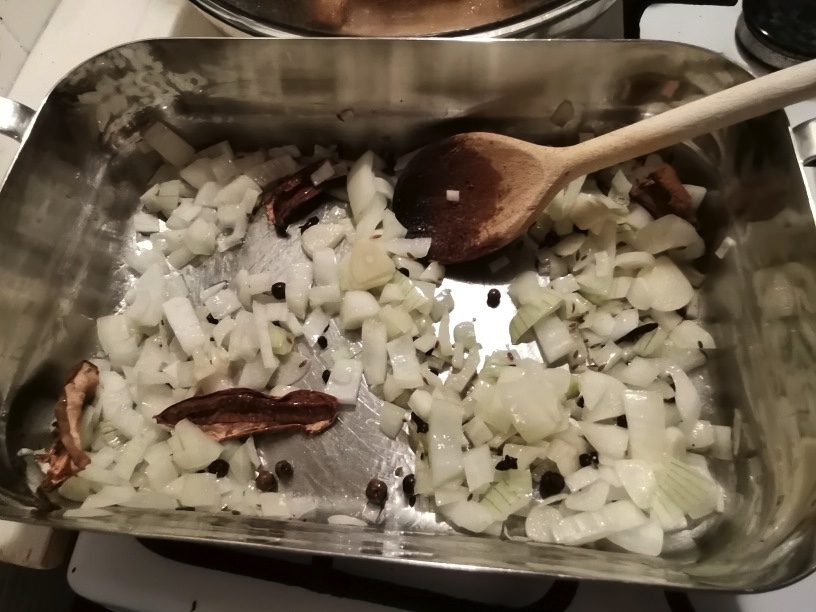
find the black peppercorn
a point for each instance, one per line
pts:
(585, 459)
(408, 484)
(326, 374)
(266, 482)
(212, 319)
(377, 492)
(593, 455)
(622, 422)
(322, 342)
(508, 463)
(552, 483)
(284, 470)
(404, 272)
(279, 291)
(219, 467)
(493, 298)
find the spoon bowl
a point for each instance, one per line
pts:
(499, 183)
(474, 193)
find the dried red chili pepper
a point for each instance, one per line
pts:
(236, 413)
(293, 196)
(65, 456)
(662, 193)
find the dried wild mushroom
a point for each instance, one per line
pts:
(237, 413)
(65, 456)
(662, 193)
(293, 196)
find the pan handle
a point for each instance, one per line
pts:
(15, 118)
(805, 136)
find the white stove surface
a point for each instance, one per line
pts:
(117, 571)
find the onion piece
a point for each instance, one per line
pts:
(540, 522)
(191, 448)
(356, 308)
(117, 339)
(644, 540)
(530, 314)
(686, 396)
(591, 498)
(322, 235)
(603, 396)
(298, 281)
(479, 468)
(645, 416)
(688, 334)
(408, 247)
(375, 353)
(173, 149)
(369, 266)
(469, 515)
(690, 491)
(222, 304)
(610, 441)
(404, 363)
(553, 338)
(344, 382)
(670, 233)
(586, 527)
(183, 321)
(534, 406)
(360, 184)
(325, 267)
(662, 287)
(444, 449)
(638, 478)
(392, 418)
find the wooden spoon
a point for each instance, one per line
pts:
(504, 183)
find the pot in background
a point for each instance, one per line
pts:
(385, 18)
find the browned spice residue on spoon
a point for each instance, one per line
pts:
(65, 456)
(237, 413)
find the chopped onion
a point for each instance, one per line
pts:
(169, 145)
(662, 287)
(586, 527)
(117, 339)
(344, 382)
(444, 450)
(375, 354)
(479, 467)
(554, 339)
(357, 307)
(298, 281)
(222, 304)
(644, 540)
(321, 236)
(645, 416)
(610, 441)
(528, 315)
(591, 498)
(369, 266)
(404, 363)
(392, 418)
(540, 522)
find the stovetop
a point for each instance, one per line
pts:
(130, 575)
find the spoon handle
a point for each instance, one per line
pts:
(722, 109)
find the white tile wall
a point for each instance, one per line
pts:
(21, 23)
